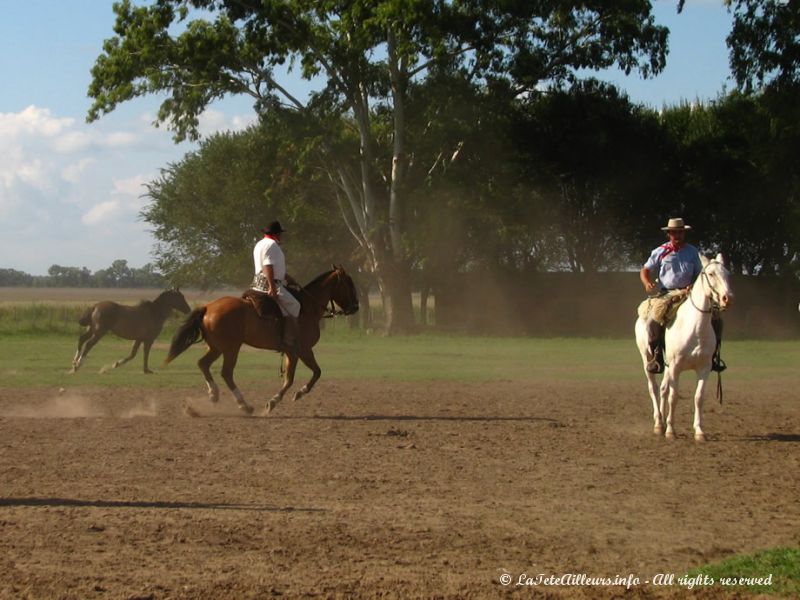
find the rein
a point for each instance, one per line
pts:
(329, 310)
(714, 294)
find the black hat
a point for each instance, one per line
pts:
(274, 229)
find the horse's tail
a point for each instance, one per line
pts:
(190, 332)
(86, 319)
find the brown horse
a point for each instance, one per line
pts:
(141, 323)
(227, 323)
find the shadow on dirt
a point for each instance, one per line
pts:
(72, 502)
(774, 437)
(457, 419)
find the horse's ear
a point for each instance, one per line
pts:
(720, 259)
(704, 260)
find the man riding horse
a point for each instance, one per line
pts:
(675, 266)
(270, 279)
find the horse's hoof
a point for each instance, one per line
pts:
(658, 430)
(270, 406)
(149, 372)
(699, 437)
(246, 409)
(670, 435)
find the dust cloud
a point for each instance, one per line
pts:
(72, 405)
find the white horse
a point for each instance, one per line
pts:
(689, 345)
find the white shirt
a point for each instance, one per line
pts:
(268, 252)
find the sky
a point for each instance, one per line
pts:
(71, 192)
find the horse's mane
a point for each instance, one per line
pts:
(147, 303)
(319, 278)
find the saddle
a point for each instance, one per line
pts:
(663, 308)
(265, 305)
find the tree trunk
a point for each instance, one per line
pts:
(395, 285)
(423, 304)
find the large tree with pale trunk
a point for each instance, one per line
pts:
(368, 57)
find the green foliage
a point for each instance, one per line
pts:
(603, 165)
(208, 210)
(782, 563)
(118, 275)
(765, 44)
(367, 57)
(735, 158)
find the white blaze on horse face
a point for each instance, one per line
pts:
(722, 283)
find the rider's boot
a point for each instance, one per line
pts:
(291, 334)
(656, 344)
(717, 364)
(656, 364)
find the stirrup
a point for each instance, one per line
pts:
(717, 364)
(655, 367)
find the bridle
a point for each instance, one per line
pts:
(330, 311)
(714, 294)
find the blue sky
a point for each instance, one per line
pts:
(71, 192)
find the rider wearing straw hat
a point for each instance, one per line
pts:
(670, 269)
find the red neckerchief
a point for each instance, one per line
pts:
(272, 237)
(669, 248)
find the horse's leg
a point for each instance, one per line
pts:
(655, 396)
(147, 345)
(671, 374)
(134, 350)
(309, 360)
(289, 368)
(95, 337)
(205, 366)
(81, 341)
(229, 359)
(702, 378)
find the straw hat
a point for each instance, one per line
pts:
(676, 225)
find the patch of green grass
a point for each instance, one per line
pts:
(782, 564)
(28, 360)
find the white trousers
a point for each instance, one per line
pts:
(286, 301)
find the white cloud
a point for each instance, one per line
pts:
(72, 172)
(32, 121)
(83, 184)
(102, 213)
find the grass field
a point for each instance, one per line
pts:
(35, 360)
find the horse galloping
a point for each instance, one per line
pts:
(227, 323)
(141, 323)
(689, 345)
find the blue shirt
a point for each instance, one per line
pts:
(674, 269)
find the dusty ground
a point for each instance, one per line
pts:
(371, 489)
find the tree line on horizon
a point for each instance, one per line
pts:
(117, 275)
(451, 137)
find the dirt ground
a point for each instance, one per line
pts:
(374, 489)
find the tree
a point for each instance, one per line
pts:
(368, 56)
(208, 209)
(601, 164)
(69, 276)
(765, 43)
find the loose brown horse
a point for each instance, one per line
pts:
(227, 323)
(141, 323)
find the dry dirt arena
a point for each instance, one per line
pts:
(368, 489)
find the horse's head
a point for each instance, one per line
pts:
(343, 291)
(716, 281)
(174, 299)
